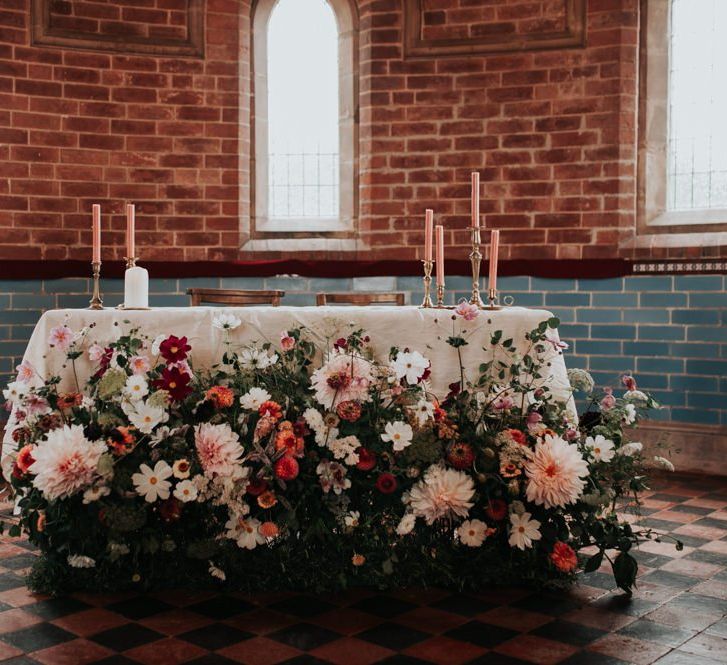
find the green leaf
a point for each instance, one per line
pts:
(553, 322)
(594, 562)
(625, 568)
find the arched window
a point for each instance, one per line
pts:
(304, 118)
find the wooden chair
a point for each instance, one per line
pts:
(234, 297)
(360, 298)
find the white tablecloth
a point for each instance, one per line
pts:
(424, 330)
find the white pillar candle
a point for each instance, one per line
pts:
(136, 287)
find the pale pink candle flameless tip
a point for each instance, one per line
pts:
(96, 227)
(130, 230)
(428, 229)
(494, 251)
(440, 254)
(475, 199)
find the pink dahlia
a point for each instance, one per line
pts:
(65, 462)
(218, 449)
(343, 378)
(555, 473)
(442, 493)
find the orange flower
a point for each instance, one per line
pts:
(289, 443)
(271, 409)
(358, 559)
(121, 441)
(67, 400)
(267, 500)
(220, 396)
(517, 436)
(269, 529)
(509, 471)
(25, 458)
(564, 557)
(286, 426)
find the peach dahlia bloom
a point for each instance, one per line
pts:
(555, 473)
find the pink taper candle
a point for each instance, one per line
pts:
(475, 199)
(494, 250)
(428, 232)
(130, 228)
(96, 226)
(440, 254)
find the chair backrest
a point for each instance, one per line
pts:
(358, 298)
(234, 297)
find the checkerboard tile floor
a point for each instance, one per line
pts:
(676, 617)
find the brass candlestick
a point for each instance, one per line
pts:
(96, 301)
(492, 299)
(476, 260)
(440, 295)
(130, 261)
(427, 302)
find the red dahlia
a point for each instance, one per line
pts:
(220, 396)
(257, 486)
(366, 459)
(174, 349)
(460, 455)
(386, 483)
(564, 557)
(175, 382)
(349, 410)
(271, 409)
(287, 468)
(517, 436)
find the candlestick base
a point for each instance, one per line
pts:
(492, 300)
(440, 296)
(131, 261)
(427, 302)
(96, 301)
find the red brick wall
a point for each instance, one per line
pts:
(551, 131)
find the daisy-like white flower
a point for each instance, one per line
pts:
(218, 448)
(15, 392)
(410, 365)
(25, 371)
(442, 493)
(245, 531)
(185, 490)
(65, 462)
(139, 364)
(225, 321)
(630, 449)
(332, 476)
(406, 525)
(61, 337)
(180, 469)
(555, 473)
(472, 532)
(523, 531)
(253, 398)
(95, 493)
(80, 561)
(352, 518)
(629, 415)
(136, 388)
(146, 417)
(399, 434)
(152, 484)
(252, 358)
(424, 411)
(601, 448)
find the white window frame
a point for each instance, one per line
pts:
(345, 226)
(653, 216)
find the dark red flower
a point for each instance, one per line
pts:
(460, 455)
(174, 349)
(366, 459)
(349, 410)
(339, 380)
(629, 382)
(496, 510)
(170, 510)
(257, 486)
(104, 362)
(386, 483)
(287, 468)
(340, 343)
(175, 382)
(271, 409)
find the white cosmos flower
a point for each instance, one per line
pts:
(601, 448)
(245, 531)
(424, 411)
(136, 387)
(253, 398)
(95, 493)
(630, 449)
(225, 321)
(406, 525)
(629, 416)
(523, 531)
(252, 358)
(185, 491)
(472, 532)
(352, 518)
(152, 484)
(15, 392)
(399, 434)
(80, 561)
(146, 417)
(409, 365)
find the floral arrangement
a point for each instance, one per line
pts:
(314, 462)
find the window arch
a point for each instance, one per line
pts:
(304, 119)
